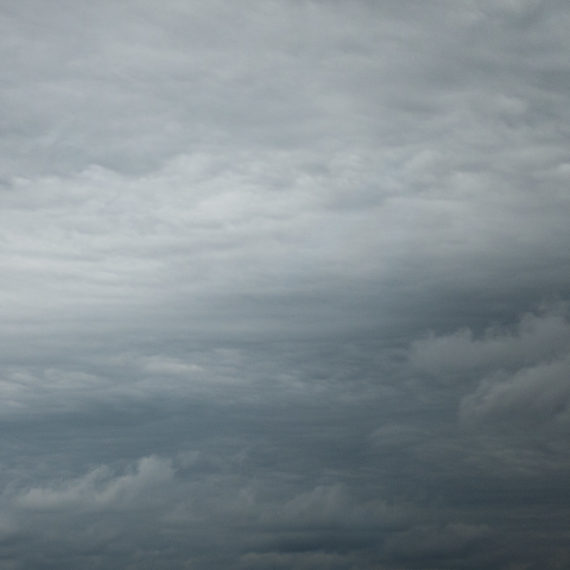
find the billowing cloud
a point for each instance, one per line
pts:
(99, 489)
(536, 338)
(530, 396)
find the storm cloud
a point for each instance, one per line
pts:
(285, 284)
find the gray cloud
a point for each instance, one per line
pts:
(97, 490)
(538, 393)
(284, 285)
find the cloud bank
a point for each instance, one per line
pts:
(284, 285)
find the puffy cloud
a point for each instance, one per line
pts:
(100, 489)
(538, 337)
(532, 396)
(519, 373)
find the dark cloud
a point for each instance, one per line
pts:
(284, 285)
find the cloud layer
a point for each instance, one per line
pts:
(284, 285)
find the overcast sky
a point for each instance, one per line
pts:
(285, 284)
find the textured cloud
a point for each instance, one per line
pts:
(284, 285)
(535, 338)
(521, 373)
(99, 490)
(533, 395)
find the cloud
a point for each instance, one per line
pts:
(296, 560)
(100, 489)
(531, 396)
(436, 543)
(284, 284)
(520, 373)
(538, 337)
(332, 506)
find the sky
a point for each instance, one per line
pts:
(284, 284)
